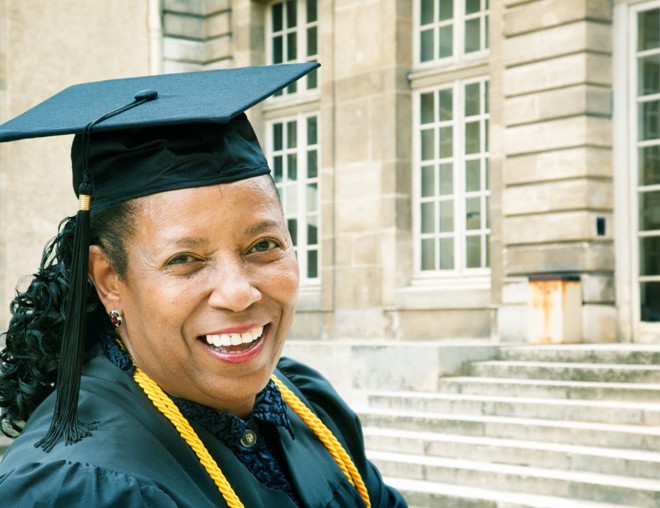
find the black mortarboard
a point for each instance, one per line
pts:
(136, 137)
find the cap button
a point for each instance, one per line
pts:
(146, 95)
(249, 438)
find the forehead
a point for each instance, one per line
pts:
(240, 204)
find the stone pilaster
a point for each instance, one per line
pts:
(557, 191)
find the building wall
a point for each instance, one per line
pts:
(555, 69)
(45, 47)
(549, 65)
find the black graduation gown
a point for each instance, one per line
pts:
(136, 457)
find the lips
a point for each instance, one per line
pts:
(235, 342)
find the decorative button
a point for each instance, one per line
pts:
(249, 438)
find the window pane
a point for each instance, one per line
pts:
(446, 46)
(428, 221)
(426, 102)
(471, 6)
(473, 213)
(277, 168)
(446, 107)
(446, 216)
(291, 134)
(277, 49)
(312, 230)
(312, 264)
(312, 164)
(428, 181)
(472, 36)
(446, 9)
(446, 179)
(426, 45)
(292, 166)
(472, 176)
(473, 251)
(311, 41)
(649, 293)
(291, 14)
(649, 211)
(649, 256)
(277, 136)
(648, 29)
(649, 75)
(312, 197)
(649, 165)
(472, 137)
(276, 12)
(312, 79)
(426, 11)
(446, 138)
(292, 225)
(427, 144)
(649, 120)
(312, 130)
(291, 47)
(312, 14)
(446, 254)
(472, 99)
(428, 254)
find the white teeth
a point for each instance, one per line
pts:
(235, 339)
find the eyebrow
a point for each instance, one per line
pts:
(261, 227)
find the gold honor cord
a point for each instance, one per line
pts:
(170, 410)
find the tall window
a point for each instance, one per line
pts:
(451, 28)
(293, 37)
(451, 179)
(294, 152)
(647, 110)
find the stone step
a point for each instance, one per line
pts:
(635, 413)
(612, 461)
(421, 494)
(639, 492)
(567, 371)
(585, 353)
(633, 392)
(526, 429)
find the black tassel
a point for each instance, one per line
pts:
(65, 423)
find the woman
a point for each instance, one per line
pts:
(193, 286)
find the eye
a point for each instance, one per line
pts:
(181, 259)
(265, 245)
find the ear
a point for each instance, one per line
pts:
(105, 278)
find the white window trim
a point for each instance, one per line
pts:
(469, 278)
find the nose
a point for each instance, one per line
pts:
(233, 288)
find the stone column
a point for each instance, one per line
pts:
(557, 191)
(371, 149)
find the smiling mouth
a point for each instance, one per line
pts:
(235, 342)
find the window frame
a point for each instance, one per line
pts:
(460, 274)
(304, 85)
(302, 182)
(458, 35)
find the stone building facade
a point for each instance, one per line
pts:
(456, 169)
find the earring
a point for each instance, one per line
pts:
(115, 318)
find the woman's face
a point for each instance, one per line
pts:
(209, 292)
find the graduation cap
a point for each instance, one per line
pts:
(135, 137)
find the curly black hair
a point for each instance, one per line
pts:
(29, 362)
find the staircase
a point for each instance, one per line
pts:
(546, 426)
